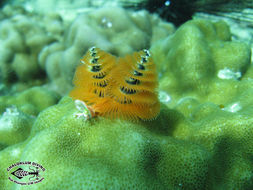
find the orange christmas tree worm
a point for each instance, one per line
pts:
(117, 87)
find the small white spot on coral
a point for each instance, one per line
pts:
(235, 107)
(80, 105)
(164, 97)
(15, 152)
(5, 123)
(228, 74)
(106, 22)
(11, 111)
(109, 24)
(28, 7)
(6, 118)
(84, 112)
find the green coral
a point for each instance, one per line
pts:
(197, 59)
(101, 154)
(209, 80)
(204, 142)
(22, 39)
(170, 152)
(228, 137)
(18, 112)
(31, 101)
(14, 126)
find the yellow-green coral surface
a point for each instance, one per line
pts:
(101, 154)
(202, 139)
(169, 153)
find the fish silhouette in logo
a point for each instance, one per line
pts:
(20, 173)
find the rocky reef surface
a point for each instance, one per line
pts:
(202, 139)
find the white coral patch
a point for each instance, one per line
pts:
(6, 119)
(228, 74)
(84, 112)
(235, 107)
(15, 152)
(164, 97)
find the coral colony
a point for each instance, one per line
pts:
(197, 134)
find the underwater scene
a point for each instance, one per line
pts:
(126, 95)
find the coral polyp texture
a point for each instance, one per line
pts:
(202, 139)
(200, 61)
(118, 87)
(101, 154)
(22, 39)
